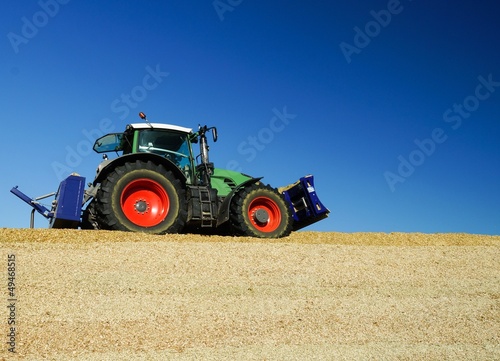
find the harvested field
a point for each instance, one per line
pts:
(96, 295)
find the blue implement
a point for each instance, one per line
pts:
(66, 208)
(304, 203)
(68, 203)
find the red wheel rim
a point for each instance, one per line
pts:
(264, 214)
(145, 202)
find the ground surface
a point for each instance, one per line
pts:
(95, 295)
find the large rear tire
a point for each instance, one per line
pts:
(141, 197)
(260, 211)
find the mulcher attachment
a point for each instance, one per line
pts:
(304, 202)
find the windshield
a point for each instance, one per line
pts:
(169, 144)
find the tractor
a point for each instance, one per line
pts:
(157, 185)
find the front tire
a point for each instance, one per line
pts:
(141, 197)
(260, 211)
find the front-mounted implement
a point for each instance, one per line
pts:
(157, 185)
(66, 208)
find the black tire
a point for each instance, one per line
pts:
(141, 197)
(260, 211)
(89, 220)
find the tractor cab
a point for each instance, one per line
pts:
(168, 141)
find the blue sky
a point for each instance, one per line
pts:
(394, 106)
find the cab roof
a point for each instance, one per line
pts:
(159, 126)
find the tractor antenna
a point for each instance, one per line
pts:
(143, 117)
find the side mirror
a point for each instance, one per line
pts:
(214, 134)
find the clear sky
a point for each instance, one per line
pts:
(394, 106)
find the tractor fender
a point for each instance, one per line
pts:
(223, 215)
(108, 166)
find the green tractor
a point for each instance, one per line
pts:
(157, 185)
